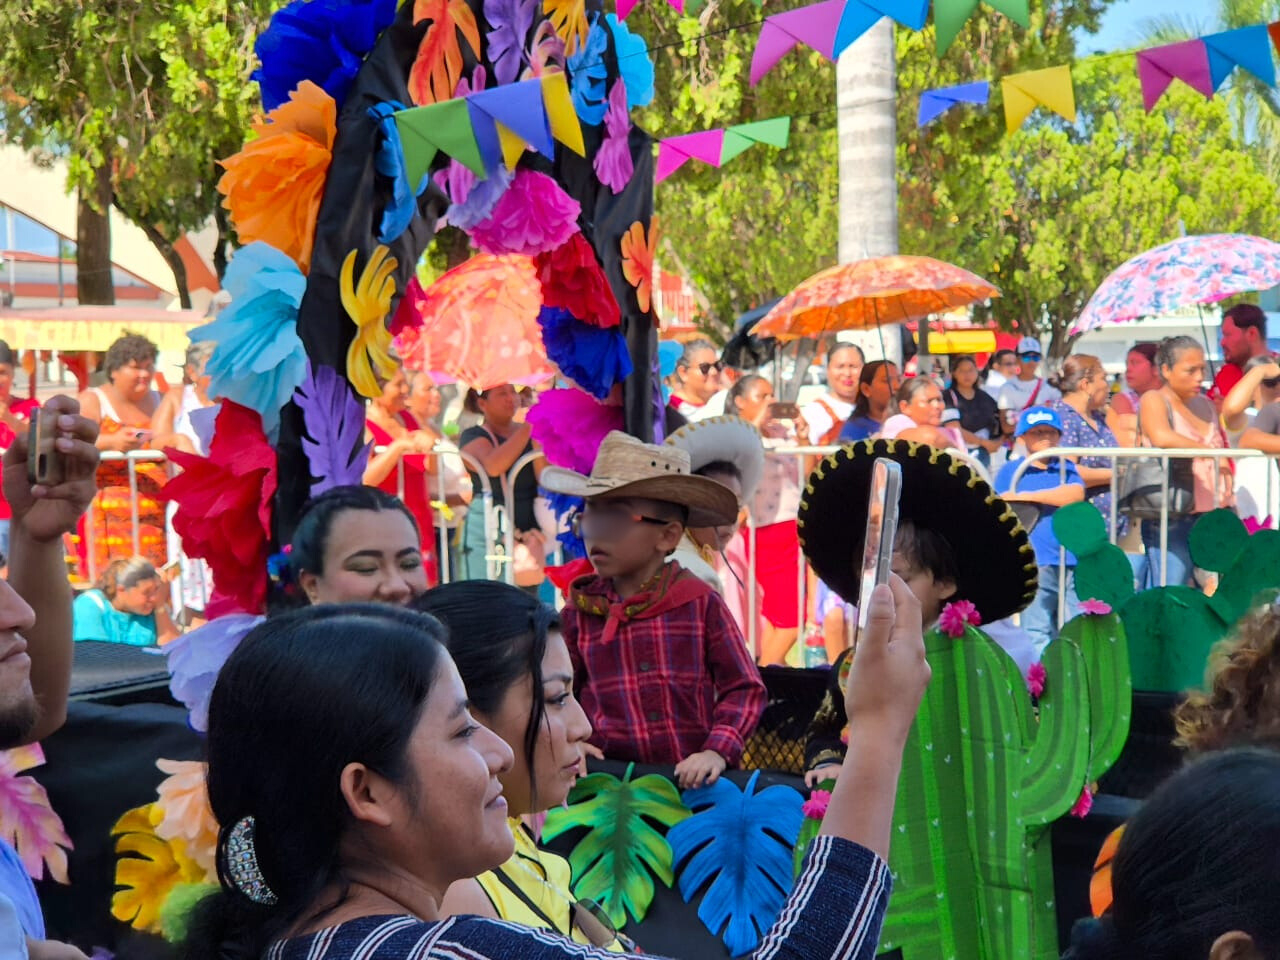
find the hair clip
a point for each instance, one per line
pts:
(240, 858)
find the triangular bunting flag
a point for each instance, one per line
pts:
(950, 16)
(1158, 67)
(486, 134)
(519, 108)
(934, 103)
(563, 119)
(1023, 92)
(861, 15)
(443, 127)
(626, 6)
(775, 132)
(1248, 48)
(1274, 30)
(815, 26)
(674, 152)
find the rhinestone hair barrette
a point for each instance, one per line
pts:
(242, 864)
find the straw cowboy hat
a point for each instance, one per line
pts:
(625, 467)
(729, 439)
(996, 566)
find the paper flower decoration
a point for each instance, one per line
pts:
(509, 24)
(182, 811)
(635, 66)
(389, 162)
(613, 163)
(569, 17)
(957, 616)
(274, 184)
(319, 40)
(334, 419)
(533, 216)
(1253, 524)
(259, 359)
(224, 509)
(1036, 677)
(367, 304)
(573, 280)
(1097, 608)
(570, 425)
(196, 657)
(565, 507)
(587, 74)
(595, 358)
(816, 805)
(438, 67)
(471, 202)
(546, 53)
(637, 260)
(148, 871)
(1083, 805)
(27, 822)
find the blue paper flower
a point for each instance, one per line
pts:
(635, 66)
(399, 211)
(323, 41)
(259, 359)
(587, 74)
(594, 358)
(564, 507)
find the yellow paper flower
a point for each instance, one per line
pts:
(150, 874)
(367, 304)
(570, 20)
(183, 812)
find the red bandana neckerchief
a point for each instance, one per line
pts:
(672, 588)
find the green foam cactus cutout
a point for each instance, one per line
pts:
(975, 880)
(1171, 631)
(1217, 539)
(1254, 570)
(1080, 528)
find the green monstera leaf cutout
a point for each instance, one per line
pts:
(623, 850)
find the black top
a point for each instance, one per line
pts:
(980, 413)
(525, 487)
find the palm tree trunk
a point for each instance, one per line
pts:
(94, 283)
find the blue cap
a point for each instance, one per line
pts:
(1034, 417)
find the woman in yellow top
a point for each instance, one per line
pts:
(519, 680)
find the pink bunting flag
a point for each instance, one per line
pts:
(675, 152)
(626, 6)
(815, 26)
(1158, 67)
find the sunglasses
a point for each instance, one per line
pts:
(1271, 382)
(706, 368)
(1029, 356)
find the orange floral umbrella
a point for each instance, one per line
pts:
(872, 293)
(480, 324)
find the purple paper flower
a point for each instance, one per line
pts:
(196, 657)
(613, 163)
(533, 215)
(510, 22)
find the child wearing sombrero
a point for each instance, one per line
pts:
(660, 667)
(956, 541)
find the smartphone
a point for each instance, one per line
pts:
(882, 527)
(44, 463)
(783, 411)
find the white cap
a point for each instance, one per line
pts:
(1029, 345)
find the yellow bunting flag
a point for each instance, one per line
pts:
(560, 113)
(1050, 88)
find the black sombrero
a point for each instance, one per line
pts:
(997, 566)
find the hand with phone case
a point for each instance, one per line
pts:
(48, 498)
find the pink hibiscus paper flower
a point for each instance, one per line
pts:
(957, 616)
(1035, 679)
(1096, 608)
(816, 806)
(1083, 805)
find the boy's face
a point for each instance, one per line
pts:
(624, 535)
(931, 593)
(1040, 438)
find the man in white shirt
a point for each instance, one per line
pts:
(1027, 389)
(826, 415)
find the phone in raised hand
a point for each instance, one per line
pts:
(882, 527)
(45, 465)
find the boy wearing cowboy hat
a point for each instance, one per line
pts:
(660, 667)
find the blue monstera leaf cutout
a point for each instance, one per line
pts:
(738, 844)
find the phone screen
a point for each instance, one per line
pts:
(44, 464)
(882, 527)
(783, 411)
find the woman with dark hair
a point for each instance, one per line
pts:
(519, 678)
(877, 384)
(356, 544)
(979, 415)
(1002, 366)
(1083, 384)
(1141, 375)
(353, 787)
(919, 417)
(14, 413)
(1196, 870)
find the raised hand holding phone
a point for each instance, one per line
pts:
(882, 528)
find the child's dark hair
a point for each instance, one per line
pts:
(926, 550)
(1197, 861)
(311, 535)
(497, 636)
(719, 468)
(304, 695)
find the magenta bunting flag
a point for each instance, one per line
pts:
(626, 6)
(1158, 67)
(815, 26)
(675, 152)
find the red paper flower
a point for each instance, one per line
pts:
(957, 616)
(816, 805)
(1097, 608)
(224, 508)
(563, 575)
(1083, 805)
(1036, 678)
(572, 279)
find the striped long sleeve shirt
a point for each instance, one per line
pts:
(835, 911)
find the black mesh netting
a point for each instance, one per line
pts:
(794, 697)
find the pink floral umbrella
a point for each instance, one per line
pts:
(1181, 273)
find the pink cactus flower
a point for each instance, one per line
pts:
(816, 806)
(1097, 608)
(1082, 806)
(1035, 679)
(956, 616)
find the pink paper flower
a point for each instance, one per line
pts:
(1082, 806)
(1252, 524)
(816, 806)
(613, 163)
(1097, 608)
(956, 616)
(1035, 679)
(570, 425)
(533, 216)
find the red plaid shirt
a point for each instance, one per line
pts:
(664, 675)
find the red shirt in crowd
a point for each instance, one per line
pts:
(1228, 376)
(664, 674)
(22, 410)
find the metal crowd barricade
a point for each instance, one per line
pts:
(1135, 453)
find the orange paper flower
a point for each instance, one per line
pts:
(637, 260)
(274, 184)
(438, 67)
(150, 874)
(182, 812)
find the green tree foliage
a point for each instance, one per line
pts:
(142, 98)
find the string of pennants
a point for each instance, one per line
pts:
(717, 147)
(1203, 64)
